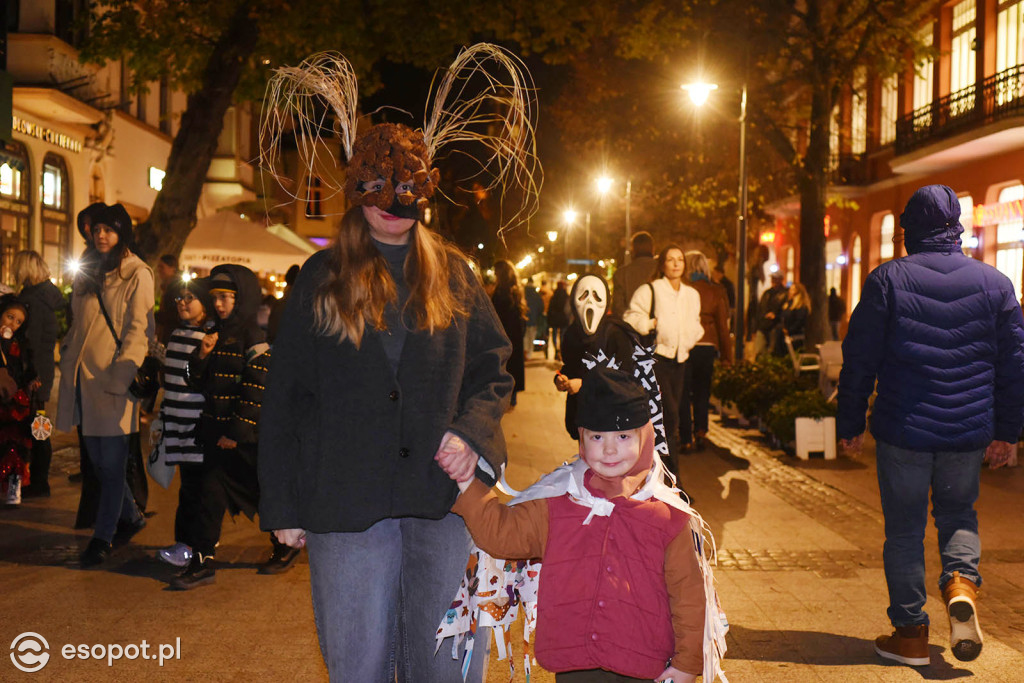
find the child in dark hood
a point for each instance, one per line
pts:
(229, 367)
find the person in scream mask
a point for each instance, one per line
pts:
(622, 590)
(389, 353)
(591, 333)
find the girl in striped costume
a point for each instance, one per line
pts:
(180, 412)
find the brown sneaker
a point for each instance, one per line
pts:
(907, 645)
(965, 637)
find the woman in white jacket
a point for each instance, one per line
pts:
(672, 308)
(112, 322)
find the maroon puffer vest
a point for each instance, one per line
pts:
(602, 600)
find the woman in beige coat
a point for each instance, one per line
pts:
(99, 358)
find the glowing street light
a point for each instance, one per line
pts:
(552, 235)
(604, 183)
(699, 92)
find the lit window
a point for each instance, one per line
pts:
(1009, 251)
(52, 187)
(1009, 49)
(886, 249)
(890, 111)
(923, 82)
(7, 180)
(859, 117)
(833, 265)
(833, 139)
(962, 57)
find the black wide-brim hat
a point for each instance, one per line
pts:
(611, 401)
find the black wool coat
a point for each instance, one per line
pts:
(346, 441)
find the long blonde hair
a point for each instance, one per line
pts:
(359, 285)
(800, 298)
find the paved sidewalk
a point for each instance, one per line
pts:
(800, 573)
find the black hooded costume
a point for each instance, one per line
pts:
(232, 378)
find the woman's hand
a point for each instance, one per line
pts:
(293, 538)
(456, 458)
(676, 676)
(207, 344)
(226, 443)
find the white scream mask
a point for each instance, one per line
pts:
(590, 302)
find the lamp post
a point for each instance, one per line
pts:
(569, 216)
(604, 184)
(699, 93)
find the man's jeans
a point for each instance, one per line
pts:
(109, 456)
(904, 480)
(380, 594)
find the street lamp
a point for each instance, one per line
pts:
(569, 216)
(699, 93)
(604, 184)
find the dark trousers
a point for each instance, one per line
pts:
(670, 375)
(190, 495)
(596, 676)
(228, 483)
(39, 468)
(696, 392)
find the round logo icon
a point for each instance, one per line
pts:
(29, 652)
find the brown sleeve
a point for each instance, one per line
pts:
(722, 322)
(517, 532)
(686, 599)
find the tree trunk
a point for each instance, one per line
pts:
(174, 212)
(813, 185)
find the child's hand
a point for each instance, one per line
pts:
(206, 346)
(561, 382)
(574, 385)
(226, 443)
(676, 676)
(456, 458)
(34, 385)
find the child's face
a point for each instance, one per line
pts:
(12, 319)
(223, 303)
(190, 309)
(611, 454)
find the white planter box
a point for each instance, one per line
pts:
(815, 435)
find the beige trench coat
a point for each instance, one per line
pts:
(89, 353)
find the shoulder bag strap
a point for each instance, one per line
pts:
(649, 315)
(106, 316)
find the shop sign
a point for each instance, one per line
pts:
(1003, 212)
(50, 135)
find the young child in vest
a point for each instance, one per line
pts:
(17, 381)
(622, 594)
(181, 410)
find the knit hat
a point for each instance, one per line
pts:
(611, 401)
(222, 282)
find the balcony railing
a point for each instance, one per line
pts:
(1001, 96)
(848, 169)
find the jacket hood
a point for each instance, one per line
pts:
(46, 292)
(931, 220)
(248, 293)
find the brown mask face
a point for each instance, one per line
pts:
(397, 156)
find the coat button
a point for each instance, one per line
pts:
(393, 395)
(593, 636)
(600, 603)
(404, 452)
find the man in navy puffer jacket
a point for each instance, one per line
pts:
(943, 335)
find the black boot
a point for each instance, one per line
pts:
(95, 554)
(281, 560)
(199, 572)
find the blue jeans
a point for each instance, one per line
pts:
(109, 456)
(380, 594)
(904, 481)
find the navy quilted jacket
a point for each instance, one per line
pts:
(944, 336)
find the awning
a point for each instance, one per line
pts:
(226, 237)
